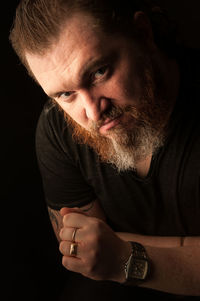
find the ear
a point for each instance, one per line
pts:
(143, 28)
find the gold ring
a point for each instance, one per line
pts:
(73, 249)
(74, 234)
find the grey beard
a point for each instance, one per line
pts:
(126, 150)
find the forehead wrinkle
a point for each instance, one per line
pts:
(70, 62)
(58, 67)
(73, 74)
(69, 58)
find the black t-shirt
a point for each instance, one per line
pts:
(166, 202)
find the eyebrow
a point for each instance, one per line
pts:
(91, 64)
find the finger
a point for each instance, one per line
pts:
(65, 247)
(73, 264)
(75, 220)
(66, 210)
(67, 233)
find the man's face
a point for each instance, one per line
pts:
(106, 87)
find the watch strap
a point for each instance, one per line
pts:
(137, 267)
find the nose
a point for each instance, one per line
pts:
(94, 106)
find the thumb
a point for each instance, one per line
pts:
(66, 210)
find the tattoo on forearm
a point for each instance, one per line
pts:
(53, 218)
(56, 221)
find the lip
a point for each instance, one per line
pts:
(109, 124)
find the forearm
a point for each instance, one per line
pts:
(154, 241)
(175, 270)
(174, 262)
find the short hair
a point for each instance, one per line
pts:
(38, 23)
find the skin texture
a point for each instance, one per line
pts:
(85, 89)
(174, 260)
(88, 80)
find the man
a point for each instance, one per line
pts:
(118, 142)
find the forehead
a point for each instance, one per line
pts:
(80, 41)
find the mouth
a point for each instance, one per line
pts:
(109, 124)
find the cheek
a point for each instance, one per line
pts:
(76, 113)
(126, 87)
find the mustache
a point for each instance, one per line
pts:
(112, 112)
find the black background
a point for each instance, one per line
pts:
(33, 262)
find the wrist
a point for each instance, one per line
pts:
(136, 268)
(123, 256)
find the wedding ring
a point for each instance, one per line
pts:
(74, 234)
(73, 249)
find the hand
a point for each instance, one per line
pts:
(101, 254)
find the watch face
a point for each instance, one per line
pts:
(138, 268)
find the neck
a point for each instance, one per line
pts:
(142, 167)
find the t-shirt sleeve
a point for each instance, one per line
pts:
(63, 182)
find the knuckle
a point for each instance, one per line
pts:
(62, 247)
(65, 219)
(65, 262)
(61, 233)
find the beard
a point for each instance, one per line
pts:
(142, 135)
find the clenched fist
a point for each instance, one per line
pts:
(90, 247)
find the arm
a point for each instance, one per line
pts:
(92, 209)
(160, 241)
(175, 262)
(175, 270)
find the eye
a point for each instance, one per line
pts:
(100, 73)
(65, 96)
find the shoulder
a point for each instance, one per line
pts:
(53, 135)
(51, 117)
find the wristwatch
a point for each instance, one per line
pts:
(137, 267)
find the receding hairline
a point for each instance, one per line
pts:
(54, 40)
(37, 29)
